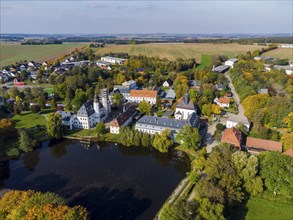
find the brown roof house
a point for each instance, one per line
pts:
(223, 102)
(289, 152)
(143, 95)
(256, 145)
(232, 136)
(123, 119)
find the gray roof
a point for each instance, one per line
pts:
(238, 119)
(221, 68)
(89, 107)
(114, 58)
(186, 103)
(121, 89)
(283, 67)
(233, 60)
(162, 123)
(194, 82)
(170, 94)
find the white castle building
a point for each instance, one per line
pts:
(90, 113)
(185, 108)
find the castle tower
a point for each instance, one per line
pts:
(104, 97)
(186, 98)
(97, 105)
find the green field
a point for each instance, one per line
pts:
(178, 50)
(282, 53)
(12, 52)
(28, 120)
(262, 209)
(206, 61)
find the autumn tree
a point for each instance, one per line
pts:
(189, 137)
(79, 99)
(117, 99)
(100, 128)
(145, 107)
(26, 141)
(287, 140)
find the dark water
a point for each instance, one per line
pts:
(112, 182)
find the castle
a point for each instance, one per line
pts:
(90, 113)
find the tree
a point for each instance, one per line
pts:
(7, 129)
(60, 90)
(146, 140)
(117, 99)
(287, 140)
(220, 127)
(53, 125)
(13, 92)
(79, 99)
(162, 142)
(119, 79)
(189, 137)
(210, 210)
(36, 205)
(26, 142)
(100, 128)
(288, 120)
(247, 168)
(276, 170)
(28, 93)
(126, 136)
(216, 109)
(207, 109)
(136, 138)
(145, 107)
(35, 108)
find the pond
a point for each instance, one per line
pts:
(111, 181)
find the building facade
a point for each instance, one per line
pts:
(185, 108)
(143, 95)
(114, 60)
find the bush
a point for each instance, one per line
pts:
(35, 108)
(12, 152)
(100, 128)
(220, 127)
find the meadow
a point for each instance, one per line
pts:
(173, 51)
(13, 52)
(282, 53)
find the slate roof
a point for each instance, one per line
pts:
(167, 123)
(89, 107)
(185, 103)
(221, 69)
(121, 119)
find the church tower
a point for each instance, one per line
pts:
(97, 105)
(104, 97)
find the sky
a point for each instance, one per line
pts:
(120, 17)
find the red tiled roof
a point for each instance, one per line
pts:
(263, 144)
(289, 152)
(232, 136)
(143, 93)
(224, 100)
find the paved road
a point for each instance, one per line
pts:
(235, 96)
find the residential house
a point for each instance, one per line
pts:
(235, 120)
(263, 91)
(194, 84)
(231, 62)
(257, 145)
(219, 87)
(122, 120)
(32, 64)
(289, 152)
(288, 69)
(131, 84)
(103, 64)
(286, 45)
(168, 96)
(232, 136)
(113, 60)
(221, 69)
(223, 102)
(167, 83)
(268, 67)
(143, 95)
(153, 124)
(185, 108)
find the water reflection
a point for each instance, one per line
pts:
(111, 181)
(31, 159)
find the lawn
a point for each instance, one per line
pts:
(206, 61)
(282, 53)
(13, 52)
(173, 51)
(29, 120)
(49, 90)
(262, 209)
